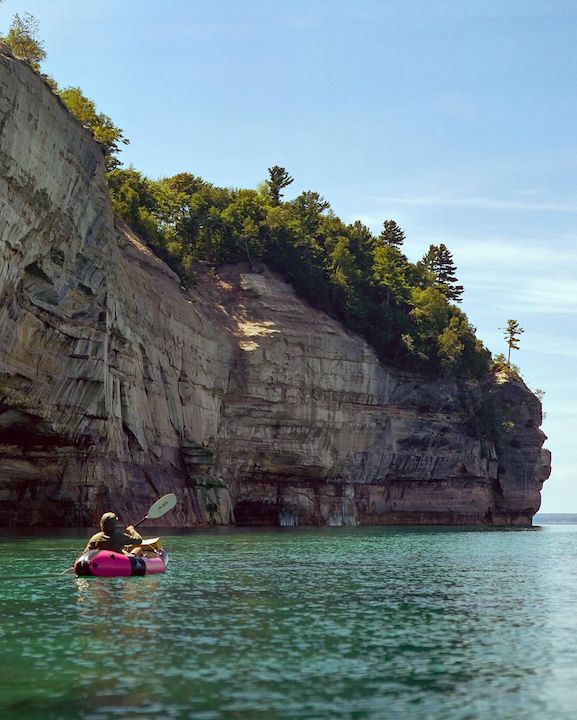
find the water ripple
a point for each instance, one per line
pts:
(358, 623)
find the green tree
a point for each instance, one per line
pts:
(344, 273)
(184, 184)
(431, 312)
(309, 207)
(390, 272)
(103, 129)
(439, 260)
(512, 334)
(450, 343)
(245, 223)
(190, 217)
(392, 235)
(23, 40)
(459, 349)
(278, 180)
(134, 200)
(178, 211)
(362, 244)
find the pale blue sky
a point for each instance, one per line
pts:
(457, 118)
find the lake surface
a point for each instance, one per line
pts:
(356, 623)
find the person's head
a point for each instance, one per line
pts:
(108, 522)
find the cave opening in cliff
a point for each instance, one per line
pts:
(256, 512)
(26, 431)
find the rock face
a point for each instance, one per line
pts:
(117, 385)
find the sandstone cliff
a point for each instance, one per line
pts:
(117, 385)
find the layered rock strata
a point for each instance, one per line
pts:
(117, 385)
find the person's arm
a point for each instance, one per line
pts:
(132, 537)
(91, 545)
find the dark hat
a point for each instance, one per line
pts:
(108, 522)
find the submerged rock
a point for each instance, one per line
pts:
(117, 385)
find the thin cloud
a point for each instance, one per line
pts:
(553, 296)
(537, 279)
(486, 203)
(504, 252)
(552, 345)
(528, 294)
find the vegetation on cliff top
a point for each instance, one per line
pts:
(405, 310)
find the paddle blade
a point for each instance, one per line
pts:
(162, 506)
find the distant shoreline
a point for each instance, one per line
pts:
(555, 518)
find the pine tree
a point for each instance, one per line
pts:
(278, 180)
(392, 234)
(309, 207)
(512, 334)
(439, 260)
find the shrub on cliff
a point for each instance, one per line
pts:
(22, 39)
(104, 131)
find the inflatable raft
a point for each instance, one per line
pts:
(106, 563)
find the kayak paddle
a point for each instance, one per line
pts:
(160, 507)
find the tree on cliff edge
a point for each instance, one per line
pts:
(392, 234)
(439, 260)
(23, 40)
(512, 334)
(278, 180)
(103, 129)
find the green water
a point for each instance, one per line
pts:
(325, 623)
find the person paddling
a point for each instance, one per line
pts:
(113, 538)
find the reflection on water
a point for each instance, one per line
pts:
(329, 623)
